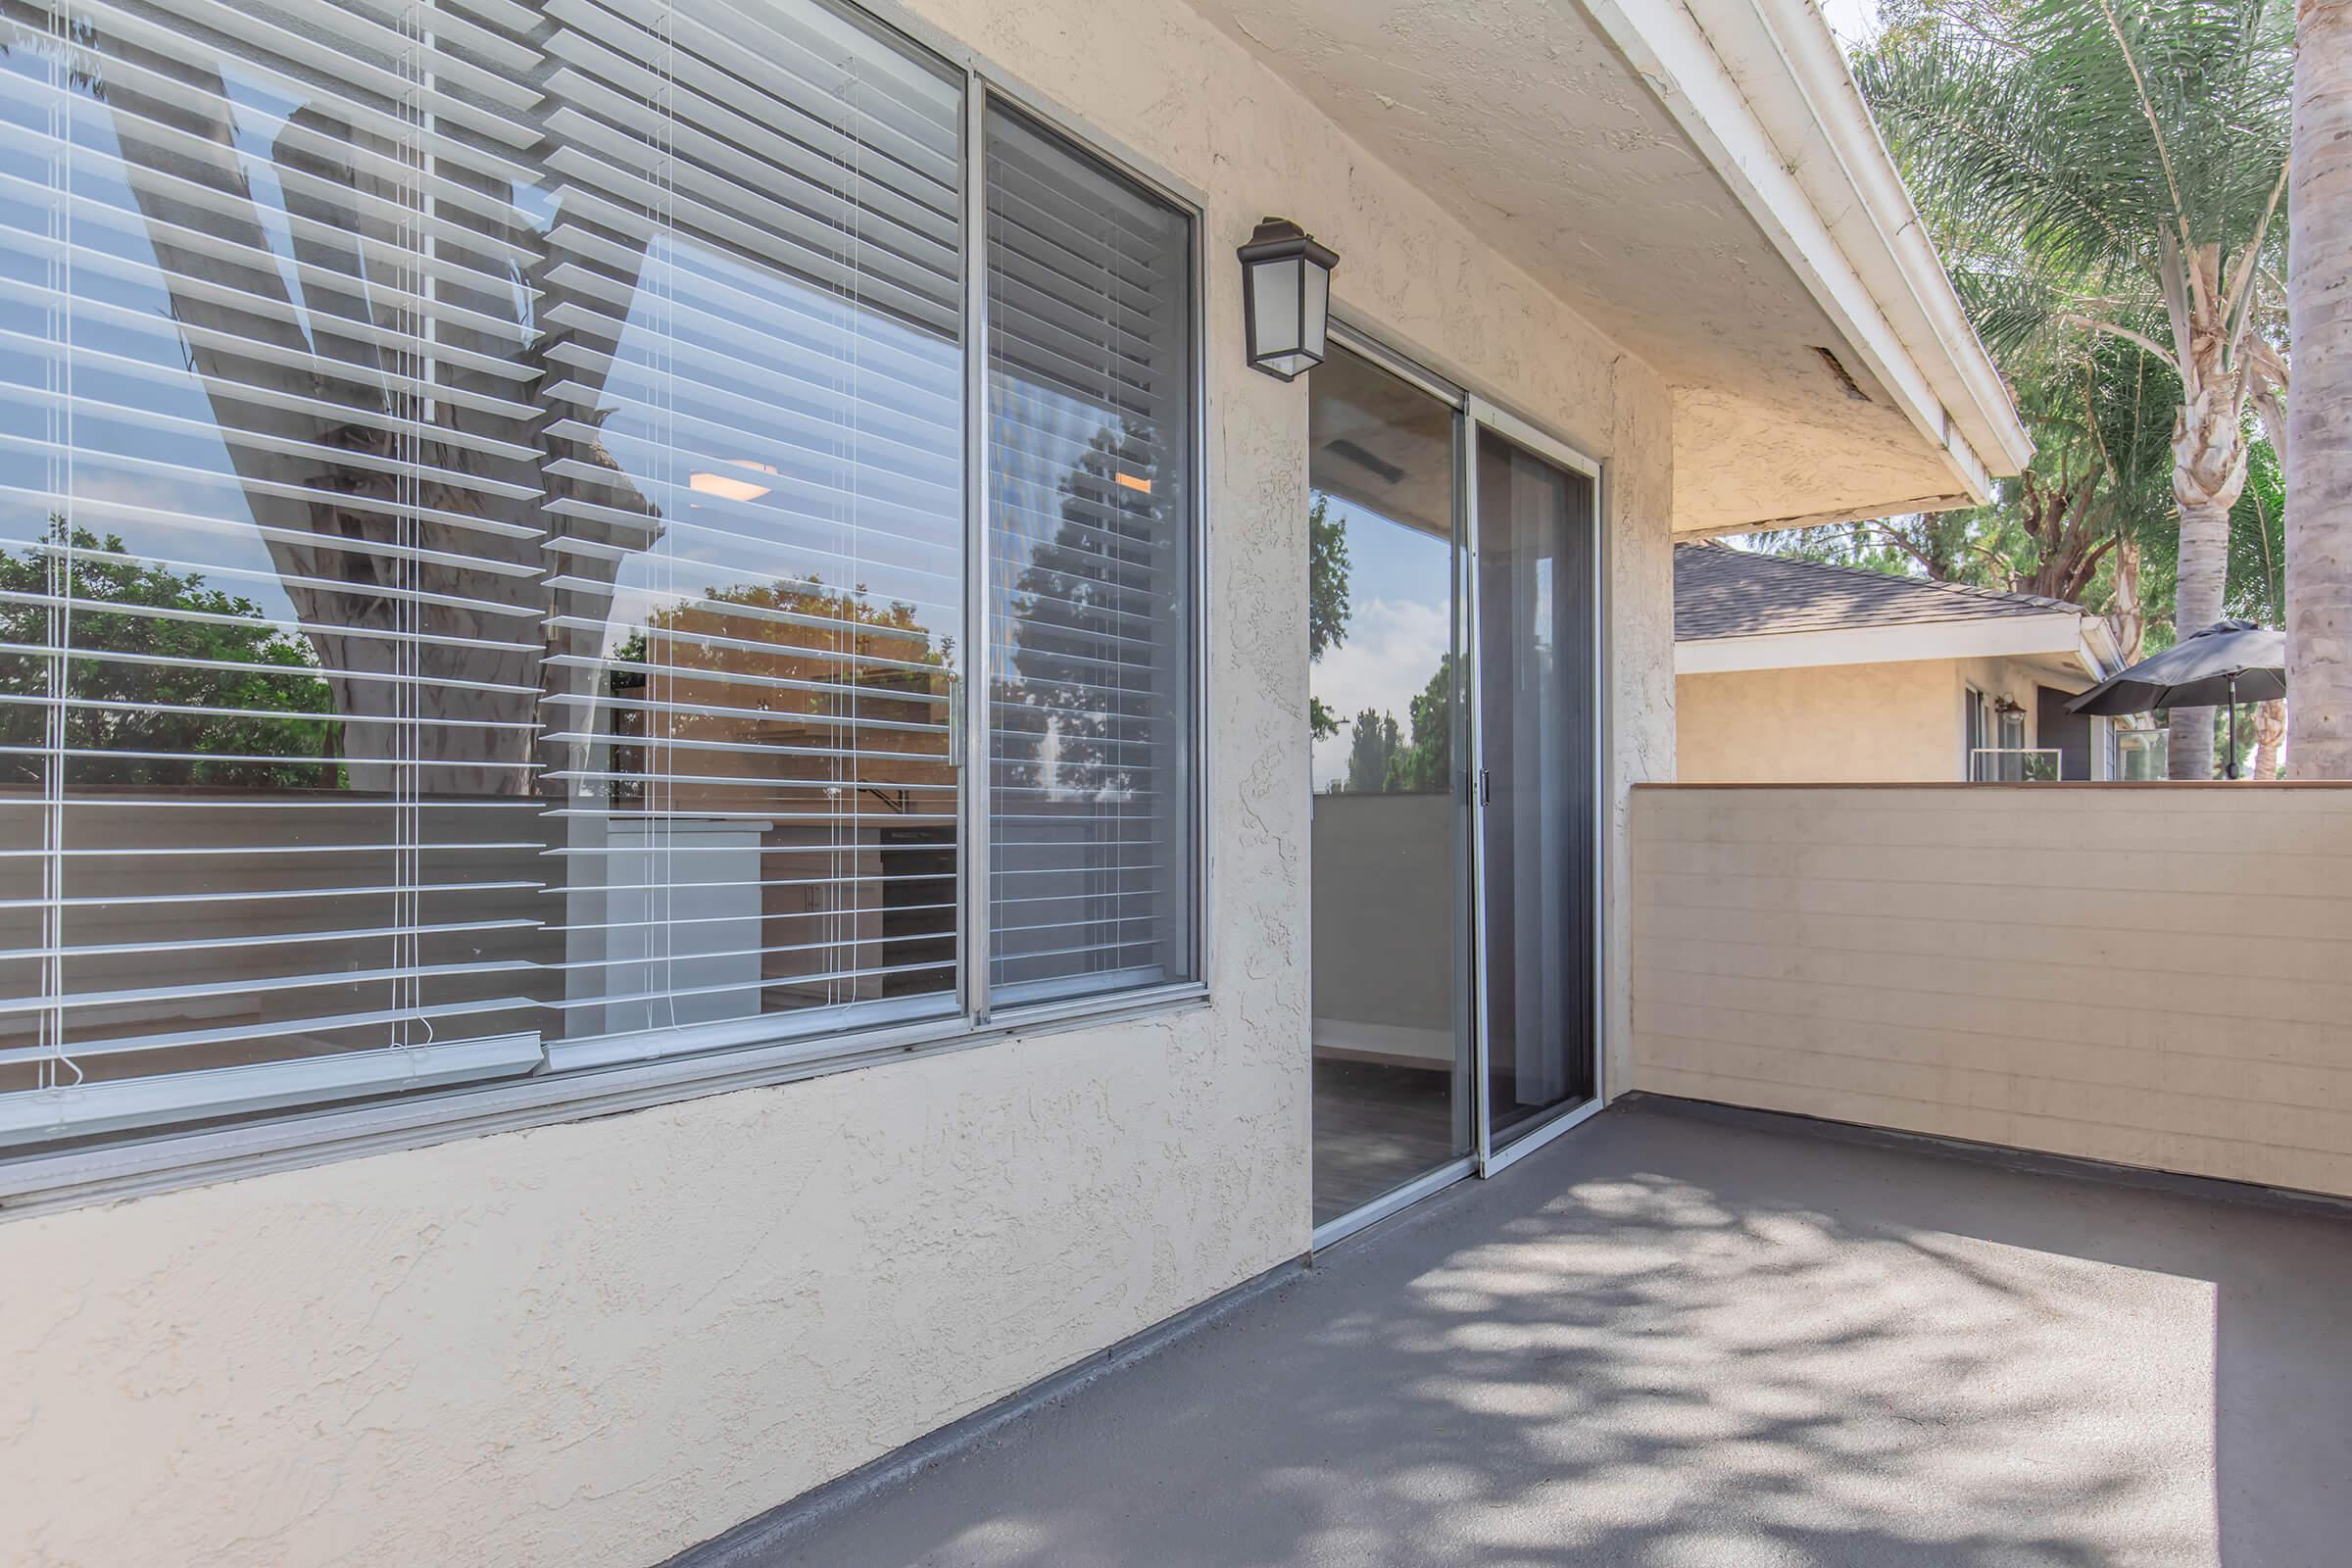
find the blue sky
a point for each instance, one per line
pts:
(1400, 625)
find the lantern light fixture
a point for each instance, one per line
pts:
(1286, 298)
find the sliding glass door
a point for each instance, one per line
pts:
(1390, 1036)
(1453, 625)
(1538, 841)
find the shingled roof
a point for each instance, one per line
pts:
(1723, 592)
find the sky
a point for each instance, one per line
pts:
(1852, 21)
(1398, 627)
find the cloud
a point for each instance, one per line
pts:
(1392, 647)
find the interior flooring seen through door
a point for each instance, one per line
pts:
(1377, 1127)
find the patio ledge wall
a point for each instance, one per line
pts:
(2154, 974)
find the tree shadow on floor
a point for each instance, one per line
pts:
(1678, 1345)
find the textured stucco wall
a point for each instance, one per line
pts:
(1829, 723)
(1884, 723)
(2151, 974)
(596, 1343)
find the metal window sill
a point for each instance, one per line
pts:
(45, 1183)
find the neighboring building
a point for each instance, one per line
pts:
(1792, 672)
(655, 763)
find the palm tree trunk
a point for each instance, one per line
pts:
(2197, 605)
(2318, 457)
(2208, 473)
(2270, 739)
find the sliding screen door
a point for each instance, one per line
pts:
(1537, 607)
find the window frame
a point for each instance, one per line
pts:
(779, 1048)
(1976, 727)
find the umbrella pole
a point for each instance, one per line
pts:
(2233, 726)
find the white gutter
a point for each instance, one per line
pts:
(1763, 91)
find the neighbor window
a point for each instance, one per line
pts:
(487, 562)
(1975, 725)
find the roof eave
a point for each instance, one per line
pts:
(2025, 636)
(1766, 95)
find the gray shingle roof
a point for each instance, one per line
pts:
(1723, 592)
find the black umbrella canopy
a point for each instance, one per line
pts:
(2228, 661)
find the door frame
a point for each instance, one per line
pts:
(1481, 414)
(1474, 412)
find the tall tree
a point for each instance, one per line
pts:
(1372, 753)
(1327, 608)
(2319, 443)
(1426, 764)
(2115, 166)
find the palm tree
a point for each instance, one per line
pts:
(2319, 448)
(2115, 166)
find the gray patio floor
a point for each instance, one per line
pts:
(1673, 1342)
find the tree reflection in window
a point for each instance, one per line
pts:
(198, 698)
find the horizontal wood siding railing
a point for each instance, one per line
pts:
(2157, 975)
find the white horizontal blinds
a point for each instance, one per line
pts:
(1088, 337)
(479, 499)
(269, 614)
(753, 441)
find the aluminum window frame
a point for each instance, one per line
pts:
(780, 1047)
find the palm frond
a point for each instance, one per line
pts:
(2090, 132)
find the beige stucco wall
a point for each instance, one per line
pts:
(1847, 723)
(2150, 974)
(1899, 722)
(596, 1343)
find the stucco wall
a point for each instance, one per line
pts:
(1882, 723)
(600, 1342)
(2150, 974)
(1843, 723)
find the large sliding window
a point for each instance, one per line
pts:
(489, 548)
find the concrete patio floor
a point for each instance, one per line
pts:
(1680, 1343)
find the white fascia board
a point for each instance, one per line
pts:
(2100, 654)
(1994, 637)
(1763, 92)
(1820, 520)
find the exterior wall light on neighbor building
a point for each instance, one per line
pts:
(1286, 298)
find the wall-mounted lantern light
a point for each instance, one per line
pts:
(1286, 298)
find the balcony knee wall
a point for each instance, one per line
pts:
(2156, 975)
(600, 1342)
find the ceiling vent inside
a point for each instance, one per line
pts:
(1345, 448)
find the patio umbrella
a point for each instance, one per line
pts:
(2229, 661)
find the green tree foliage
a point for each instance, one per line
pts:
(2257, 588)
(2116, 169)
(215, 695)
(1327, 608)
(829, 655)
(1382, 760)
(1075, 606)
(1427, 764)
(1374, 748)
